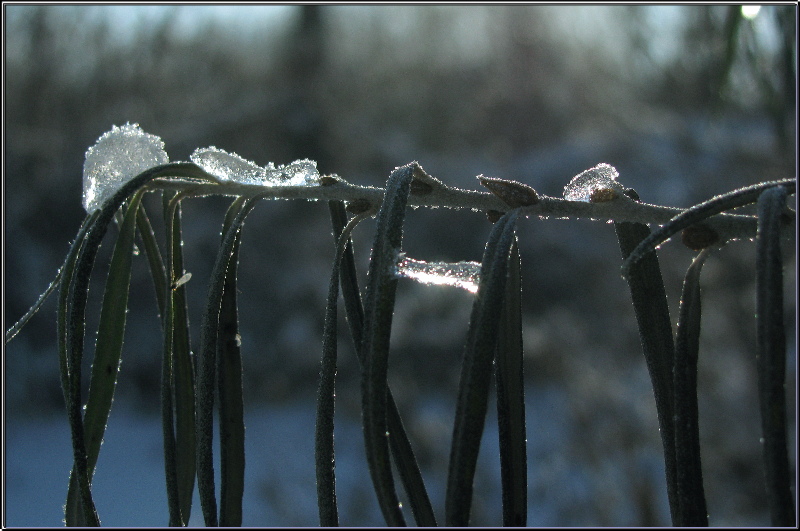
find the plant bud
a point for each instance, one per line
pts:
(422, 183)
(513, 193)
(603, 195)
(420, 187)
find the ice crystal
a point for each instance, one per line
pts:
(230, 167)
(601, 177)
(117, 157)
(464, 275)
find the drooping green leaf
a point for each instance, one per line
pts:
(14, 330)
(473, 393)
(206, 362)
(323, 435)
(183, 379)
(691, 510)
(172, 326)
(74, 299)
(72, 309)
(167, 415)
(77, 499)
(231, 401)
(154, 260)
(71, 317)
(697, 213)
(655, 331)
(771, 359)
(378, 310)
(110, 335)
(404, 458)
(511, 400)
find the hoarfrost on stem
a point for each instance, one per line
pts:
(230, 167)
(464, 275)
(117, 157)
(602, 176)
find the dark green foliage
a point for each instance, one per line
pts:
(402, 452)
(511, 400)
(772, 354)
(207, 364)
(111, 330)
(655, 331)
(690, 497)
(323, 438)
(473, 393)
(79, 509)
(167, 380)
(696, 214)
(231, 403)
(378, 311)
(182, 368)
(494, 335)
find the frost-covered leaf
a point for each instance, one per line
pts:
(117, 157)
(601, 177)
(233, 168)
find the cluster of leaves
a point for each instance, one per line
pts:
(191, 384)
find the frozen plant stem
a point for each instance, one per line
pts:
(727, 226)
(126, 151)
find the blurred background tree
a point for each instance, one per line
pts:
(685, 101)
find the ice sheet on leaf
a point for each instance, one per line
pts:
(581, 186)
(117, 157)
(231, 167)
(465, 275)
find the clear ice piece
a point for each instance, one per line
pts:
(299, 173)
(601, 176)
(228, 166)
(233, 168)
(465, 275)
(117, 157)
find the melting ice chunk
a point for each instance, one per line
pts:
(464, 275)
(117, 157)
(233, 168)
(298, 173)
(581, 186)
(228, 166)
